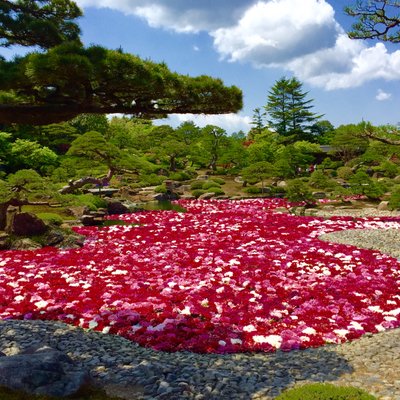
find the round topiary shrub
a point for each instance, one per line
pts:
(253, 190)
(210, 184)
(321, 391)
(220, 181)
(394, 200)
(160, 189)
(198, 192)
(297, 190)
(196, 185)
(218, 191)
(344, 173)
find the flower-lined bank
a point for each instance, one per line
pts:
(223, 277)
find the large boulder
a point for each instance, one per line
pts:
(27, 224)
(117, 207)
(42, 371)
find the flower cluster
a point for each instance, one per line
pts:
(222, 277)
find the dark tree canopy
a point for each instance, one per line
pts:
(69, 79)
(376, 20)
(43, 23)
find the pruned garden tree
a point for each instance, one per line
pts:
(43, 23)
(94, 146)
(376, 19)
(16, 189)
(69, 79)
(289, 111)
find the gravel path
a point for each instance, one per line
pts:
(132, 372)
(125, 369)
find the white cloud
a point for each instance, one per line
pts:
(230, 122)
(178, 15)
(300, 36)
(382, 96)
(278, 31)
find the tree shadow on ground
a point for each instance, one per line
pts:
(135, 372)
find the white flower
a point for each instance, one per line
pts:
(236, 341)
(309, 331)
(93, 324)
(41, 304)
(249, 328)
(273, 340)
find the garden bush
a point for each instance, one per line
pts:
(394, 200)
(321, 391)
(51, 218)
(253, 190)
(196, 185)
(320, 181)
(198, 192)
(210, 184)
(89, 200)
(220, 181)
(160, 189)
(179, 176)
(361, 183)
(344, 173)
(388, 169)
(297, 190)
(218, 191)
(151, 180)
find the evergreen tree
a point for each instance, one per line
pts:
(376, 19)
(44, 23)
(68, 79)
(289, 110)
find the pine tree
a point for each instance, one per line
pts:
(289, 110)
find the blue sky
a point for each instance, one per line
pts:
(251, 44)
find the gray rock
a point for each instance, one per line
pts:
(5, 241)
(27, 224)
(117, 207)
(207, 196)
(383, 206)
(25, 244)
(44, 371)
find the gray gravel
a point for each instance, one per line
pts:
(128, 370)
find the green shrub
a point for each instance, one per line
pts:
(198, 192)
(220, 181)
(361, 183)
(210, 184)
(320, 181)
(321, 391)
(389, 169)
(89, 200)
(151, 180)
(344, 173)
(394, 200)
(51, 218)
(297, 190)
(196, 185)
(160, 189)
(253, 190)
(179, 176)
(218, 191)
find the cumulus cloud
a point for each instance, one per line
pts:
(300, 36)
(178, 15)
(276, 32)
(230, 122)
(382, 96)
